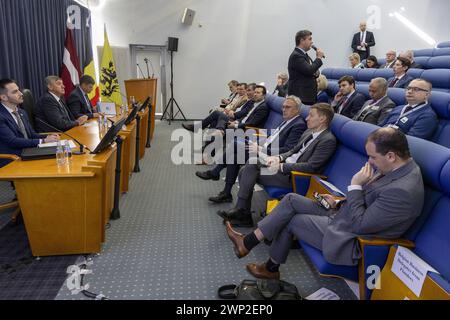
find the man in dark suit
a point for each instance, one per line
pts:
(302, 70)
(417, 118)
(310, 155)
(282, 139)
(409, 54)
(391, 55)
(52, 109)
(16, 132)
(362, 41)
(376, 110)
(78, 101)
(348, 101)
(381, 204)
(400, 79)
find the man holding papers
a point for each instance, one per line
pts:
(16, 132)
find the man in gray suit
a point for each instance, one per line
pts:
(310, 155)
(376, 110)
(381, 204)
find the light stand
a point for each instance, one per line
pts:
(169, 108)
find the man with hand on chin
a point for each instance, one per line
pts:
(382, 203)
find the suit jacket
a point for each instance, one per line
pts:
(282, 90)
(322, 96)
(12, 140)
(49, 110)
(256, 119)
(288, 137)
(377, 113)
(421, 123)
(370, 40)
(78, 105)
(315, 157)
(302, 76)
(352, 105)
(385, 208)
(402, 83)
(390, 65)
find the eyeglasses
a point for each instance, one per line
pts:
(416, 89)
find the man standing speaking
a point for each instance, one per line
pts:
(303, 71)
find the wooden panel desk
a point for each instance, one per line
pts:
(65, 209)
(141, 89)
(143, 132)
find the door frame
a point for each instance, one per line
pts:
(162, 49)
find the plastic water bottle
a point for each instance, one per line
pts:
(105, 123)
(100, 122)
(60, 155)
(68, 152)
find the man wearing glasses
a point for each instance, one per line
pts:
(417, 118)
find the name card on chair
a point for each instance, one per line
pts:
(410, 269)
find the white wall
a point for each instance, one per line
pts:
(251, 40)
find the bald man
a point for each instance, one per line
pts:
(362, 41)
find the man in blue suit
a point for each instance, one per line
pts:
(417, 118)
(400, 78)
(16, 132)
(282, 139)
(348, 101)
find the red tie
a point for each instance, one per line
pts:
(393, 82)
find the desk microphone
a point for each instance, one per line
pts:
(57, 130)
(315, 49)
(143, 77)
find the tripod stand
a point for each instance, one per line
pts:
(169, 108)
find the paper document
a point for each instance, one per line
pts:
(332, 188)
(108, 108)
(323, 294)
(54, 144)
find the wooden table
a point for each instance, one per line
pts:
(65, 209)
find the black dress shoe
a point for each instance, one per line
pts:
(233, 213)
(206, 175)
(189, 127)
(222, 197)
(242, 221)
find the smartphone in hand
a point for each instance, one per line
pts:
(321, 200)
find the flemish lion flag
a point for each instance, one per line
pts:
(109, 84)
(89, 67)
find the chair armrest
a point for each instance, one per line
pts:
(9, 156)
(385, 242)
(375, 253)
(301, 181)
(303, 174)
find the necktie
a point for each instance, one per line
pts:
(342, 104)
(63, 107)
(88, 103)
(407, 109)
(307, 140)
(393, 82)
(20, 124)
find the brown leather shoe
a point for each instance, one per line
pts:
(260, 271)
(238, 240)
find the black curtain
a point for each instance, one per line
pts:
(32, 34)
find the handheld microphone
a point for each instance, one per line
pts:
(315, 49)
(147, 60)
(143, 77)
(57, 130)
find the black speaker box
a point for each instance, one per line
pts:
(173, 44)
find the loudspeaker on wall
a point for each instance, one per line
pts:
(188, 16)
(173, 44)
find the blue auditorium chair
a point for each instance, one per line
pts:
(440, 78)
(439, 62)
(348, 159)
(423, 61)
(444, 44)
(440, 102)
(423, 53)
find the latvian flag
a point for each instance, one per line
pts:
(70, 70)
